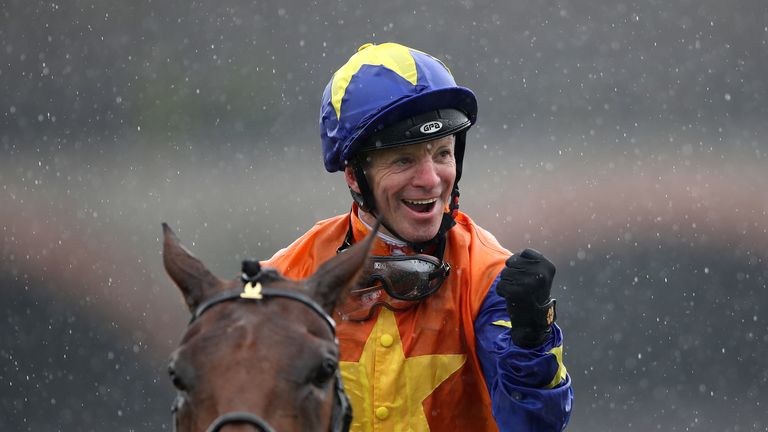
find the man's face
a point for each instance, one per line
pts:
(412, 186)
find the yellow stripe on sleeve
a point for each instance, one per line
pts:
(561, 371)
(502, 323)
(557, 351)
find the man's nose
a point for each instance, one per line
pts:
(426, 174)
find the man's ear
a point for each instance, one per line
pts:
(349, 176)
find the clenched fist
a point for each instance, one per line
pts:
(525, 283)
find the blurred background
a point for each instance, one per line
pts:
(625, 140)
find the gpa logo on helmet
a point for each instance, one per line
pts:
(431, 127)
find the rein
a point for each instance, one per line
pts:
(253, 291)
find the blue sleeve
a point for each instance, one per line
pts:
(530, 388)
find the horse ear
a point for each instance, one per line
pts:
(336, 277)
(194, 280)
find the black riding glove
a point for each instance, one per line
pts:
(525, 283)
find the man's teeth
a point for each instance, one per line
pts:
(426, 201)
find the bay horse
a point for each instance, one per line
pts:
(260, 350)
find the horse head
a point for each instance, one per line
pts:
(261, 350)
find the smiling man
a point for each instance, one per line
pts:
(448, 330)
(411, 186)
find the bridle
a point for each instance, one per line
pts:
(342, 410)
(253, 291)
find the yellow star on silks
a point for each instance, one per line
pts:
(392, 56)
(387, 389)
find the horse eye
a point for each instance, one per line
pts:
(176, 379)
(325, 372)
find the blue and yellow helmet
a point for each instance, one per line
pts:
(388, 95)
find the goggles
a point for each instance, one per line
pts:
(395, 282)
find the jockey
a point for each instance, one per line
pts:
(450, 331)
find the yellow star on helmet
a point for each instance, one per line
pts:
(386, 388)
(390, 55)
